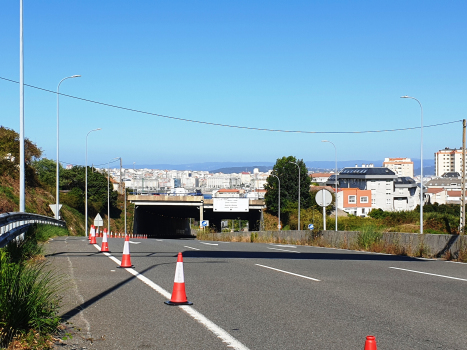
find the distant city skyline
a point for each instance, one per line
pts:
(310, 66)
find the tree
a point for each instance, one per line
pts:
(9, 155)
(288, 175)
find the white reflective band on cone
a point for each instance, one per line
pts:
(179, 278)
(126, 248)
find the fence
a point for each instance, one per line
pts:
(13, 225)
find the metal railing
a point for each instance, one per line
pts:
(13, 225)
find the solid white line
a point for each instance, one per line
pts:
(222, 334)
(284, 250)
(134, 242)
(290, 273)
(191, 247)
(431, 274)
(285, 246)
(208, 243)
(211, 326)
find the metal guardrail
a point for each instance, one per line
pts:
(13, 225)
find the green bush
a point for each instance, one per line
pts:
(368, 236)
(27, 298)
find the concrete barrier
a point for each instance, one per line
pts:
(411, 243)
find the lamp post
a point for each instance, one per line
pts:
(108, 194)
(58, 159)
(86, 186)
(335, 176)
(421, 162)
(279, 203)
(298, 194)
(21, 114)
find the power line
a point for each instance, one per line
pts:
(232, 126)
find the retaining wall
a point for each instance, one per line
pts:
(432, 245)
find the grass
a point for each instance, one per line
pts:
(28, 291)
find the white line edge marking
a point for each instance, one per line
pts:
(284, 245)
(190, 247)
(283, 250)
(218, 331)
(290, 273)
(208, 243)
(430, 274)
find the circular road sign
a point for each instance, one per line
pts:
(311, 226)
(323, 198)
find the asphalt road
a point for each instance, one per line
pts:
(260, 296)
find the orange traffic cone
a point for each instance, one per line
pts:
(105, 244)
(90, 231)
(93, 236)
(126, 260)
(178, 292)
(370, 343)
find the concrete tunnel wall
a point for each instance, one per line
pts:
(173, 221)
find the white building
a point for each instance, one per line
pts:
(448, 160)
(388, 191)
(403, 167)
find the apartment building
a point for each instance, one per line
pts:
(387, 191)
(401, 166)
(448, 160)
(354, 201)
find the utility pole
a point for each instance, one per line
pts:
(462, 223)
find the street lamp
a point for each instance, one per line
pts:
(421, 162)
(58, 159)
(108, 193)
(335, 176)
(279, 204)
(86, 186)
(298, 194)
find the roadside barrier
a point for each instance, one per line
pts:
(105, 244)
(370, 343)
(178, 292)
(126, 259)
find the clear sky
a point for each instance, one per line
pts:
(293, 65)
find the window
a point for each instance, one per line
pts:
(373, 201)
(388, 201)
(352, 199)
(364, 199)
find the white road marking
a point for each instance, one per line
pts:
(159, 240)
(290, 273)
(284, 250)
(134, 242)
(208, 243)
(284, 245)
(191, 247)
(211, 326)
(430, 274)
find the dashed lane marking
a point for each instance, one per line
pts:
(289, 273)
(208, 243)
(430, 274)
(191, 247)
(284, 250)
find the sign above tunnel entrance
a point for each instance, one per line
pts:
(233, 205)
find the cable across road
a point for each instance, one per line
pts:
(229, 125)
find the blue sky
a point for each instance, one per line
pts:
(293, 65)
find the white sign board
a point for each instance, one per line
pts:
(98, 220)
(231, 204)
(323, 198)
(54, 206)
